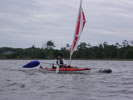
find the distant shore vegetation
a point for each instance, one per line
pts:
(84, 50)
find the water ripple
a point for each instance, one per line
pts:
(17, 83)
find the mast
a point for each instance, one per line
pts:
(78, 30)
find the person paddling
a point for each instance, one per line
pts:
(60, 60)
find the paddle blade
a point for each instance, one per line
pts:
(32, 64)
(57, 69)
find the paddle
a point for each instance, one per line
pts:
(57, 69)
(32, 64)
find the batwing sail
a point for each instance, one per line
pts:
(79, 28)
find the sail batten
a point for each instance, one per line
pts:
(79, 28)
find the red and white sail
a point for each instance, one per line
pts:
(79, 28)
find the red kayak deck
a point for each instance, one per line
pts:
(67, 70)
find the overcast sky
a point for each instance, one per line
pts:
(27, 22)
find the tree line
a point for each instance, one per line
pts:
(84, 50)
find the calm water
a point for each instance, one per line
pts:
(17, 83)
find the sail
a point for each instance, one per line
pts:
(79, 28)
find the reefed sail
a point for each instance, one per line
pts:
(79, 28)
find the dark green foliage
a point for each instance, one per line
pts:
(50, 45)
(83, 51)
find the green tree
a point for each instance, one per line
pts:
(50, 45)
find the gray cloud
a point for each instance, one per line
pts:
(27, 22)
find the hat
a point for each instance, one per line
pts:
(60, 54)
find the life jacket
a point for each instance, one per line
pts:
(59, 62)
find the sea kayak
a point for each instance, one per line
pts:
(72, 70)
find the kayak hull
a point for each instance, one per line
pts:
(67, 70)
